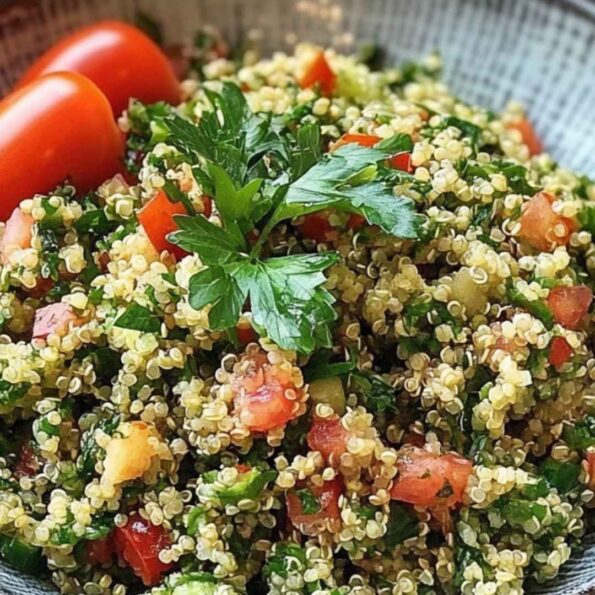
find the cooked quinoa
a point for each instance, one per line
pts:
(407, 407)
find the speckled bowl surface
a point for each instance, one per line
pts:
(541, 52)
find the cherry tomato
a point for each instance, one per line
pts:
(100, 551)
(569, 305)
(121, 60)
(560, 351)
(423, 476)
(543, 228)
(327, 496)
(529, 135)
(138, 543)
(17, 234)
(328, 436)
(319, 73)
(157, 219)
(59, 126)
(260, 395)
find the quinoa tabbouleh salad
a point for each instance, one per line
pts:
(329, 331)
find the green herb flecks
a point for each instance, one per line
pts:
(138, 318)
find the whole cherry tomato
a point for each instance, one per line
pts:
(59, 126)
(121, 60)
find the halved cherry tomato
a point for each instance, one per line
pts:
(319, 73)
(560, 352)
(328, 436)
(569, 305)
(529, 135)
(260, 395)
(100, 551)
(138, 543)
(17, 234)
(328, 499)
(423, 476)
(541, 226)
(157, 219)
(121, 60)
(317, 227)
(55, 318)
(59, 126)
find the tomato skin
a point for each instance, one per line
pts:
(246, 334)
(157, 219)
(422, 475)
(317, 227)
(328, 436)
(59, 126)
(401, 161)
(259, 395)
(138, 543)
(569, 305)
(319, 73)
(328, 498)
(529, 135)
(355, 221)
(560, 352)
(539, 223)
(100, 551)
(120, 59)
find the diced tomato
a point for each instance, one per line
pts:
(328, 436)
(365, 140)
(423, 476)
(401, 161)
(100, 551)
(207, 202)
(138, 543)
(41, 287)
(27, 463)
(157, 219)
(414, 439)
(328, 499)
(541, 226)
(560, 351)
(529, 135)
(569, 305)
(355, 221)
(55, 318)
(243, 468)
(589, 466)
(319, 73)
(260, 395)
(245, 332)
(317, 227)
(17, 234)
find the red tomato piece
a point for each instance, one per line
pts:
(59, 126)
(328, 436)
(41, 287)
(260, 395)
(529, 135)
(355, 221)
(569, 305)
(589, 466)
(560, 351)
(401, 161)
(317, 227)
(414, 439)
(328, 499)
(541, 226)
(207, 202)
(319, 73)
(138, 543)
(365, 140)
(27, 463)
(120, 59)
(100, 551)
(423, 475)
(246, 333)
(157, 219)
(55, 318)
(17, 234)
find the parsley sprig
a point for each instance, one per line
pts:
(261, 171)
